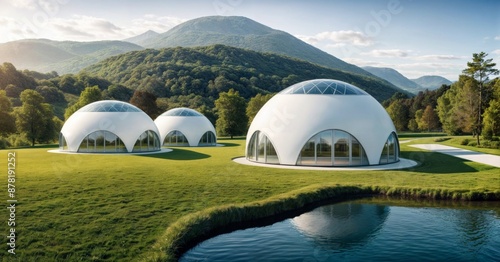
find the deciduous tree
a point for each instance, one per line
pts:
(146, 102)
(232, 120)
(7, 119)
(88, 95)
(35, 118)
(255, 104)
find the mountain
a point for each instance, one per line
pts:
(143, 38)
(395, 78)
(431, 82)
(45, 55)
(206, 71)
(245, 33)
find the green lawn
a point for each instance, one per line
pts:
(116, 207)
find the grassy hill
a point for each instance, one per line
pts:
(207, 71)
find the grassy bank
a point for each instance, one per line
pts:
(108, 207)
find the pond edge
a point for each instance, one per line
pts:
(193, 228)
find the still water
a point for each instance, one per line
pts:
(366, 231)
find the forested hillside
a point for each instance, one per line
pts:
(207, 71)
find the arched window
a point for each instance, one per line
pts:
(62, 142)
(390, 152)
(102, 142)
(175, 138)
(208, 139)
(261, 149)
(147, 141)
(332, 148)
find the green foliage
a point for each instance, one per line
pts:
(51, 94)
(9, 75)
(428, 120)
(35, 118)
(89, 95)
(118, 92)
(399, 114)
(146, 102)
(209, 70)
(230, 107)
(255, 104)
(465, 141)
(7, 119)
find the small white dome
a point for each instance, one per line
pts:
(322, 122)
(109, 126)
(185, 127)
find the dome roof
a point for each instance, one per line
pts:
(186, 122)
(123, 120)
(109, 106)
(323, 87)
(295, 117)
(182, 111)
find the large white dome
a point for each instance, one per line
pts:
(322, 122)
(185, 127)
(109, 126)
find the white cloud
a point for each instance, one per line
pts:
(497, 37)
(388, 53)
(439, 57)
(23, 4)
(496, 52)
(80, 27)
(338, 38)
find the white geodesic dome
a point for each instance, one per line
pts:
(185, 127)
(109, 126)
(322, 122)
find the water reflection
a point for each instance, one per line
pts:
(342, 225)
(367, 230)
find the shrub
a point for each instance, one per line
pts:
(441, 139)
(472, 143)
(17, 140)
(4, 143)
(465, 142)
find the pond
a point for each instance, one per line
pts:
(367, 230)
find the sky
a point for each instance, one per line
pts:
(415, 37)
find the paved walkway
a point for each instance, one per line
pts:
(482, 158)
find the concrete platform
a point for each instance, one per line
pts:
(482, 158)
(403, 163)
(163, 150)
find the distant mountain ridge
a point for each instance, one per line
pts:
(46, 55)
(395, 78)
(245, 33)
(431, 82)
(143, 38)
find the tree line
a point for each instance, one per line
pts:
(471, 105)
(33, 105)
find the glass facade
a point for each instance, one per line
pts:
(175, 138)
(332, 148)
(390, 152)
(208, 139)
(323, 87)
(147, 141)
(182, 111)
(261, 149)
(62, 142)
(102, 142)
(109, 106)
